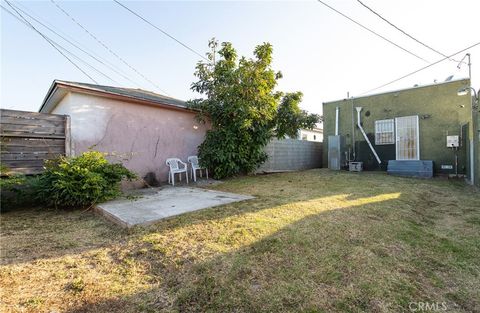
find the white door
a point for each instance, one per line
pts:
(407, 143)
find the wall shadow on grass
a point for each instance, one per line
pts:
(56, 233)
(344, 258)
(305, 265)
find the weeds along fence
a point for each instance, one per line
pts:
(291, 155)
(30, 138)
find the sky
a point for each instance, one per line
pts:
(319, 52)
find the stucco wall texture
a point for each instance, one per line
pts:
(142, 136)
(441, 111)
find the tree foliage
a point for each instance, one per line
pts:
(244, 109)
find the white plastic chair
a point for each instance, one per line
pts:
(194, 166)
(173, 164)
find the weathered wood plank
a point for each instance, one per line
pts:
(23, 135)
(38, 122)
(13, 164)
(29, 156)
(31, 115)
(20, 150)
(46, 132)
(27, 139)
(6, 127)
(34, 133)
(27, 170)
(68, 137)
(30, 142)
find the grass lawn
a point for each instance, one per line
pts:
(313, 241)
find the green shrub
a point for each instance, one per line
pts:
(12, 187)
(10, 181)
(80, 181)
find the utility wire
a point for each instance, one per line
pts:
(18, 4)
(403, 32)
(86, 63)
(80, 48)
(29, 25)
(159, 29)
(421, 69)
(65, 36)
(48, 40)
(107, 48)
(371, 31)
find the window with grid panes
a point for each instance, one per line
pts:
(385, 132)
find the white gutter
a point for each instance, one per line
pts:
(359, 109)
(336, 120)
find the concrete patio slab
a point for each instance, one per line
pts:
(160, 203)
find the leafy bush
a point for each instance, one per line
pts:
(244, 109)
(80, 181)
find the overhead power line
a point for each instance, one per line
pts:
(80, 44)
(402, 31)
(47, 39)
(107, 48)
(159, 29)
(80, 48)
(51, 41)
(421, 69)
(372, 31)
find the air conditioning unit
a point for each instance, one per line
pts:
(355, 166)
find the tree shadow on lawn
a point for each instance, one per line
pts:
(32, 234)
(364, 258)
(42, 234)
(278, 252)
(38, 234)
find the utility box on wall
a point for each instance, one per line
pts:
(453, 141)
(335, 152)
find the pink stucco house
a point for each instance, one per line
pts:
(142, 127)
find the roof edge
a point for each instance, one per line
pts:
(399, 90)
(79, 87)
(47, 96)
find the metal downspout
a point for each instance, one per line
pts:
(336, 120)
(359, 109)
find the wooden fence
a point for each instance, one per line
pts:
(30, 138)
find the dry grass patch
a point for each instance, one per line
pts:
(311, 241)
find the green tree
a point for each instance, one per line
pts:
(243, 108)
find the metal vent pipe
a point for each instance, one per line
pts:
(336, 120)
(359, 109)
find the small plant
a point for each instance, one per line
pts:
(77, 285)
(80, 181)
(10, 181)
(34, 302)
(12, 187)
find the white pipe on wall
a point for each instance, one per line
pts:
(336, 120)
(472, 162)
(359, 109)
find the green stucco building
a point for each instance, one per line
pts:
(408, 124)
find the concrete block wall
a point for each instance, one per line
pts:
(292, 155)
